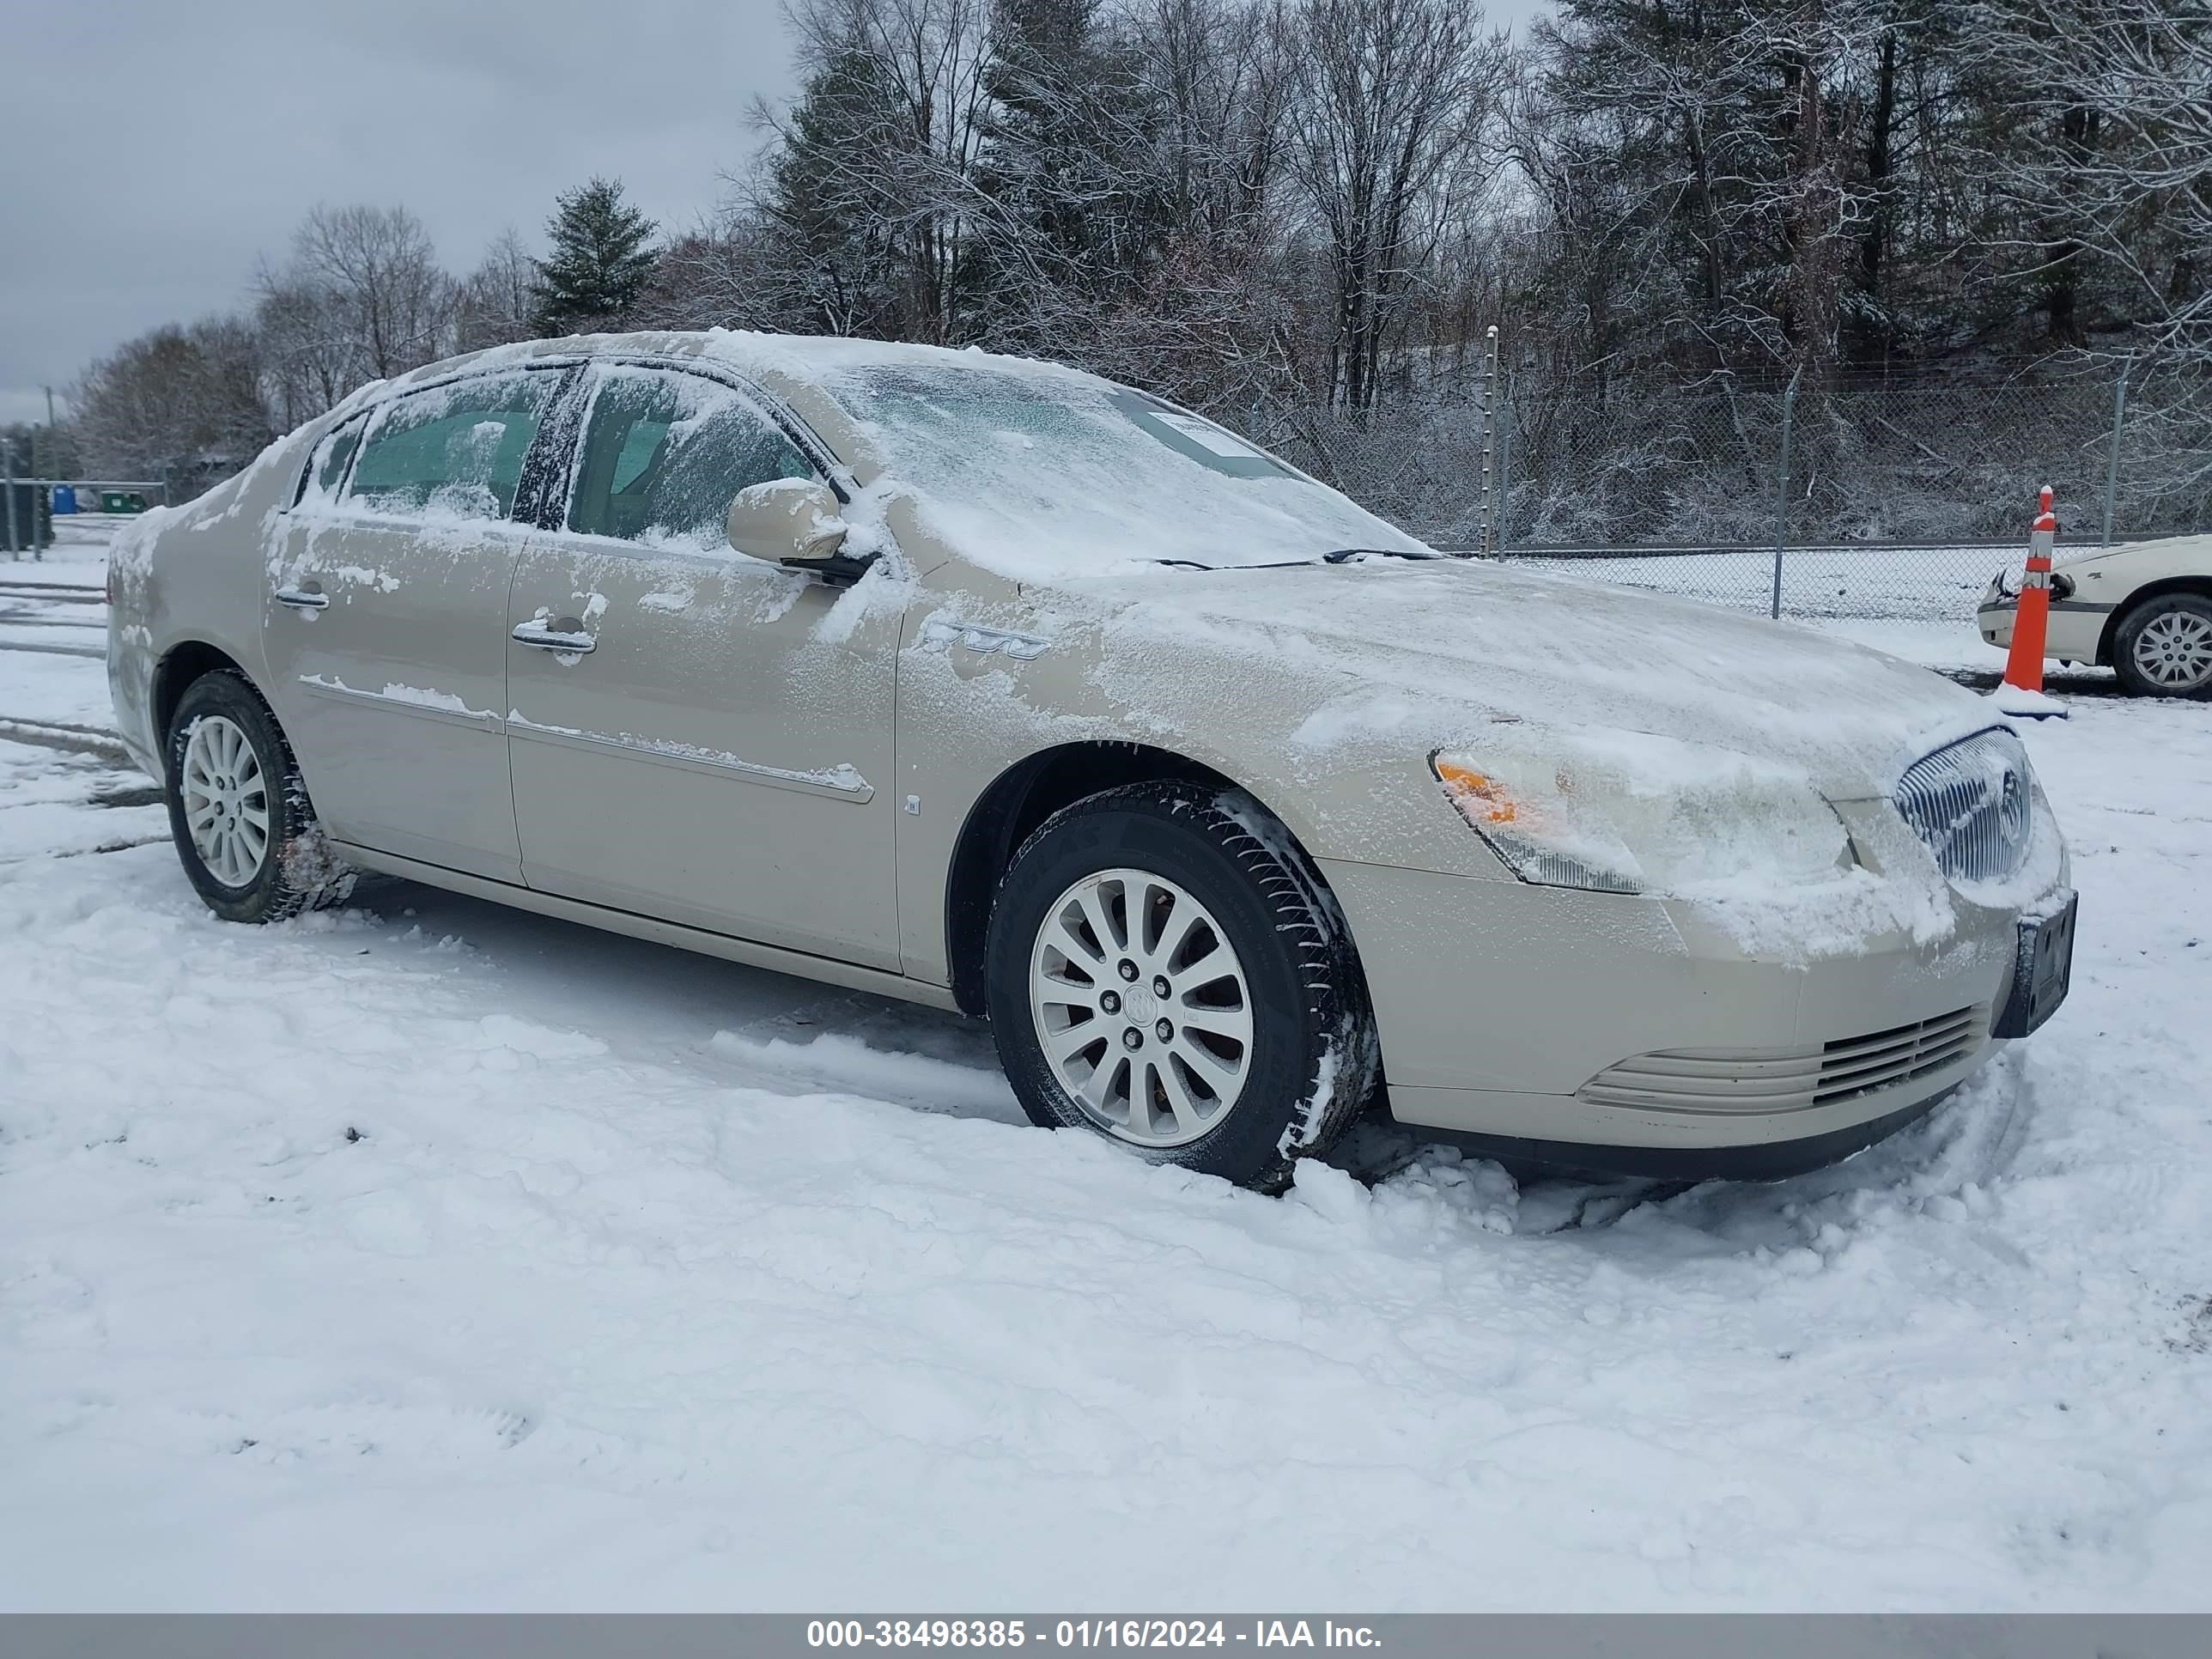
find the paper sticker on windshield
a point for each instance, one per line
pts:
(1199, 441)
(1208, 435)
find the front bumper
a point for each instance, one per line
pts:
(1994, 621)
(2076, 626)
(1632, 1034)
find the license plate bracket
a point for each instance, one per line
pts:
(2041, 974)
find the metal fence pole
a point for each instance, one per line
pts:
(1487, 543)
(2113, 459)
(1782, 495)
(8, 488)
(41, 455)
(1504, 463)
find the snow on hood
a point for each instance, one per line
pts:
(1428, 652)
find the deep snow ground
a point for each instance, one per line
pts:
(431, 1255)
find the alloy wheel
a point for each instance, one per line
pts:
(226, 800)
(1141, 1007)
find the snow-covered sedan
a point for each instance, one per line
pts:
(1005, 689)
(2143, 610)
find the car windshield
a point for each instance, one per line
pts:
(1051, 474)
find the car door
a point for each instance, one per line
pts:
(385, 627)
(695, 735)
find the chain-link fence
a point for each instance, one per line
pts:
(1887, 497)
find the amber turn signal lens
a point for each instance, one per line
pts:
(1475, 795)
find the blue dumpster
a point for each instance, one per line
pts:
(64, 498)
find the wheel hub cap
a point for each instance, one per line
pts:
(2175, 649)
(226, 800)
(1141, 1007)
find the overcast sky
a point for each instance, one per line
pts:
(161, 147)
(172, 142)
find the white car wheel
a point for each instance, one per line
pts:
(1165, 970)
(226, 800)
(245, 831)
(2163, 648)
(1141, 1007)
(2175, 649)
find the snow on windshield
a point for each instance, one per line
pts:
(1036, 475)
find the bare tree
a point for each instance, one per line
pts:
(1390, 102)
(310, 356)
(182, 404)
(875, 175)
(730, 273)
(367, 284)
(495, 300)
(2112, 101)
(2112, 164)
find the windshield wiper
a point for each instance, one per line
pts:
(1342, 556)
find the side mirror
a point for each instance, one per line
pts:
(788, 521)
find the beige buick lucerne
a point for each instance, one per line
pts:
(993, 685)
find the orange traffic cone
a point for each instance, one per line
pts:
(2022, 690)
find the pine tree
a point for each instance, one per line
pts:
(600, 258)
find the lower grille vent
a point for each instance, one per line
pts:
(1788, 1080)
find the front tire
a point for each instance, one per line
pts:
(1165, 969)
(2163, 648)
(245, 830)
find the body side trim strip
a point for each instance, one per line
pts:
(337, 691)
(840, 784)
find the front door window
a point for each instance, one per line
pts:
(663, 453)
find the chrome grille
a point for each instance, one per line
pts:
(1788, 1080)
(1970, 803)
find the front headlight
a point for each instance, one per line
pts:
(1625, 813)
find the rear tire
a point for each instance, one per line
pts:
(245, 830)
(2163, 648)
(1221, 1024)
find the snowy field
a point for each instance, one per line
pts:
(431, 1255)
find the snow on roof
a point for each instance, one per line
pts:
(800, 357)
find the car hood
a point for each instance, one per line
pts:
(1391, 652)
(2183, 551)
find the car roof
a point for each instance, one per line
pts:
(790, 358)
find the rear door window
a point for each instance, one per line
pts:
(664, 453)
(454, 451)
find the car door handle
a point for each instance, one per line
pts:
(302, 599)
(537, 634)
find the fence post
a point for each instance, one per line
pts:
(42, 521)
(1782, 495)
(2113, 459)
(1504, 463)
(1486, 542)
(8, 488)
